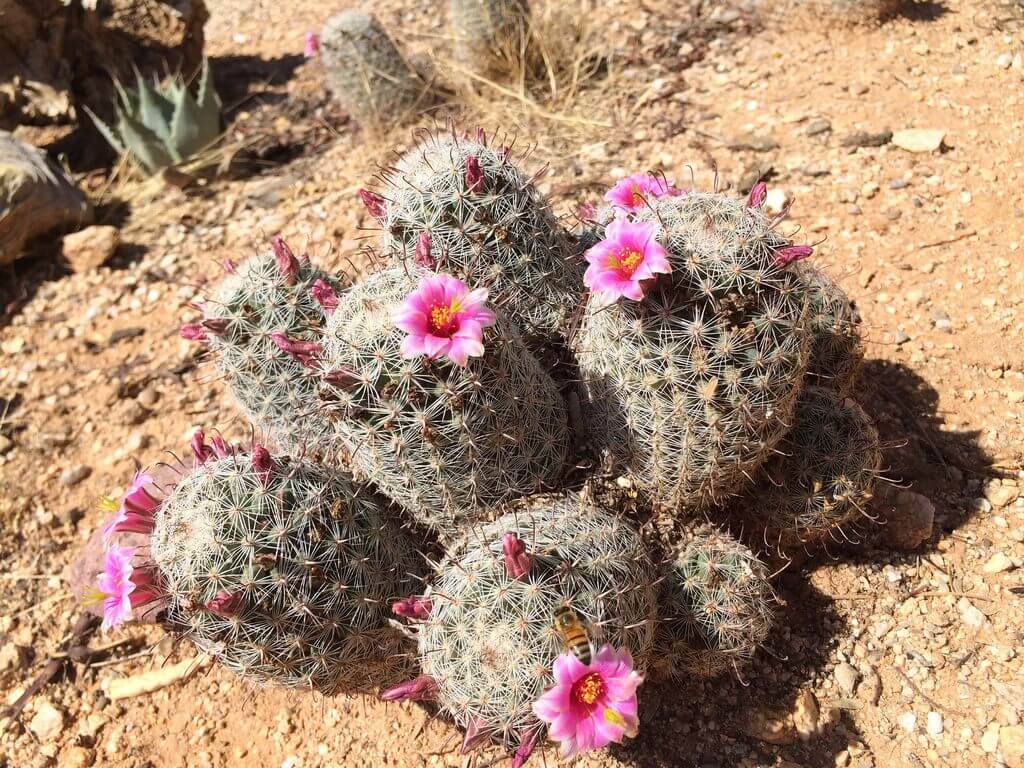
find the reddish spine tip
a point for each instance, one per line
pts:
(517, 561)
(374, 203)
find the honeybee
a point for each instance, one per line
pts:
(573, 632)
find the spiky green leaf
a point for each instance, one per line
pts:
(106, 131)
(186, 137)
(155, 110)
(144, 145)
(209, 104)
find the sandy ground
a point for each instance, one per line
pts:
(910, 659)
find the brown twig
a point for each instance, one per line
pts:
(83, 629)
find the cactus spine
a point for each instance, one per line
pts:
(366, 71)
(491, 36)
(283, 570)
(460, 206)
(837, 350)
(716, 607)
(444, 441)
(489, 641)
(691, 388)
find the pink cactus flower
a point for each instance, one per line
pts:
(312, 45)
(325, 295)
(200, 449)
(306, 352)
(633, 192)
(286, 261)
(193, 332)
(422, 688)
(374, 203)
(786, 256)
(224, 604)
(591, 705)
(416, 607)
(620, 263)
(444, 318)
(262, 462)
(423, 255)
(137, 510)
(474, 174)
(220, 448)
(122, 587)
(758, 194)
(586, 212)
(517, 561)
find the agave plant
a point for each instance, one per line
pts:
(163, 125)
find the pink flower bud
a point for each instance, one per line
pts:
(200, 449)
(415, 607)
(286, 261)
(586, 212)
(220, 448)
(306, 352)
(792, 253)
(474, 174)
(224, 604)
(262, 462)
(423, 256)
(312, 45)
(758, 194)
(192, 332)
(218, 326)
(230, 266)
(325, 295)
(476, 732)
(526, 745)
(481, 136)
(517, 561)
(422, 688)
(343, 377)
(374, 203)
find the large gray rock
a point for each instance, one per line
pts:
(35, 197)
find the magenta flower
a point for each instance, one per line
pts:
(137, 510)
(474, 174)
(200, 449)
(122, 587)
(627, 256)
(305, 352)
(443, 317)
(325, 295)
(758, 194)
(374, 203)
(632, 193)
(192, 332)
(224, 604)
(312, 45)
(416, 607)
(790, 253)
(262, 462)
(287, 264)
(592, 705)
(517, 560)
(424, 257)
(422, 688)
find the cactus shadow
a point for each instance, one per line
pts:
(705, 723)
(242, 80)
(922, 10)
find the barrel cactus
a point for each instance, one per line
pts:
(491, 36)
(837, 349)
(462, 207)
(823, 477)
(263, 328)
(280, 569)
(488, 640)
(716, 607)
(366, 71)
(445, 440)
(692, 381)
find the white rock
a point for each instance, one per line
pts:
(934, 724)
(846, 678)
(971, 616)
(47, 723)
(919, 139)
(998, 563)
(908, 722)
(776, 200)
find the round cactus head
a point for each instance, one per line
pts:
(823, 477)
(499, 603)
(445, 431)
(692, 366)
(837, 351)
(716, 607)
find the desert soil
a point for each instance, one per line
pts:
(881, 657)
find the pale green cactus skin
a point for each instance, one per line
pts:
(366, 71)
(691, 389)
(716, 607)
(162, 126)
(445, 442)
(503, 236)
(823, 478)
(489, 642)
(490, 35)
(314, 558)
(276, 392)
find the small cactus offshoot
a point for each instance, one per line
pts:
(837, 349)
(164, 125)
(491, 36)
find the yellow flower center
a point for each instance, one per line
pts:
(626, 261)
(589, 689)
(442, 318)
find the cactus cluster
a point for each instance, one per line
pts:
(691, 389)
(715, 374)
(489, 640)
(160, 126)
(445, 441)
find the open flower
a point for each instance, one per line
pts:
(444, 318)
(627, 256)
(591, 705)
(137, 511)
(122, 587)
(632, 193)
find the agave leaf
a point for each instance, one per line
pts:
(106, 131)
(144, 145)
(128, 100)
(209, 105)
(155, 109)
(186, 138)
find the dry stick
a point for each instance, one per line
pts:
(928, 698)
(83, 629)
